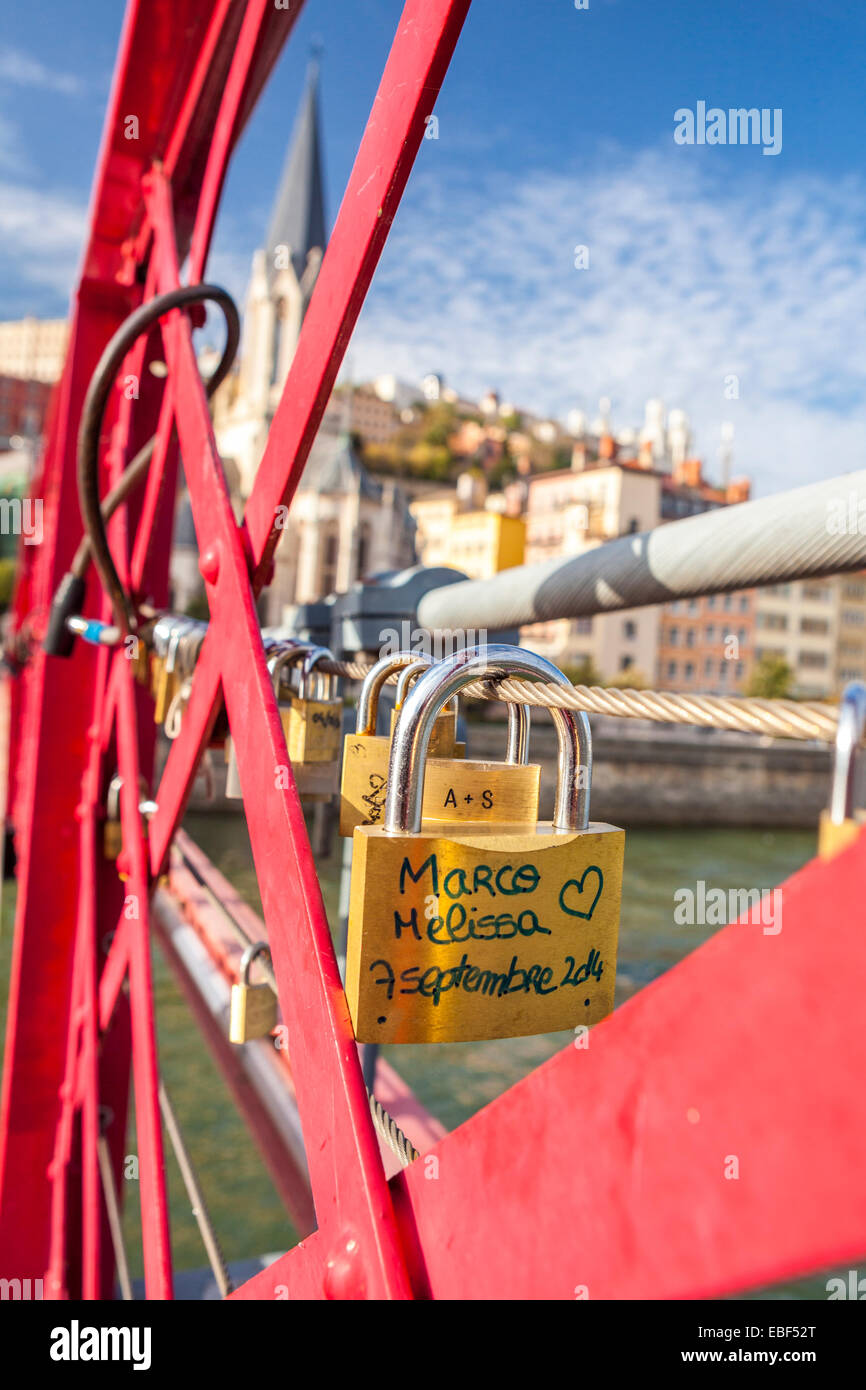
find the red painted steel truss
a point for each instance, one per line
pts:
(593, 1173)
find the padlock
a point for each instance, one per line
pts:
(166, 684)
(841, 823)
(443, 740)
(365, 753)
(314, 730)
(160, 634)
(365, 760)
(113, 832)
(253, 1008)
(470, 790)
(462, 932)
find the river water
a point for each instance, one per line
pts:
(453, 1081)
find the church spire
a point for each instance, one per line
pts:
(298, 216)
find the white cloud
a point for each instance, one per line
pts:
(694, 275)
(22, 70)
(41, 239)
(12, 157)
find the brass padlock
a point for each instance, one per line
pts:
(166, 685)
(841, 823)
(471, 790)
(365, 753)
(253, 1009)
(314, 730)
(314, 727)
(460, 932)
(443, 740)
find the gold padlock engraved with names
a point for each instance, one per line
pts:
(458, 933)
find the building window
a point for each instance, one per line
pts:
(773, 622)
(710, 633)
(689, 671)
(693, 605)
(625, 662)
(629, 629)
(852, 617)
(813, 660)
(690, 637)
(674, 636)
(723, 671)
(728, 603)
(672, 670)
(363, 551)
(330, 555)
(744, 603)
(711, 601)
(708, 667)
(583, 627)
(743, 637)
(816, 627)
(740, 670)
(817, 592)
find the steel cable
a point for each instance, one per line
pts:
(93, 413)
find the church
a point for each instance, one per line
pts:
(344, 524)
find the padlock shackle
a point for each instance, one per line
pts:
(517, 748)
(849, 734)
(255, 948)
(313, 657)
(376, 677)
(407, 676)
(284, 654)
(112, 798)
(435, 688)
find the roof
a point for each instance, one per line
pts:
(298, 216)
(334, 466)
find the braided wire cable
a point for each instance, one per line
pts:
(746, 714)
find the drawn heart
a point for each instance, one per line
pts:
(577, 883)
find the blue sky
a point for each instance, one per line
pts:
(555, 130)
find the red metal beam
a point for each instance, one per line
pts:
(348, 1183)
(172, 68)
(611, 1169)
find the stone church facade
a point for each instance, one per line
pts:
(344, 524)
